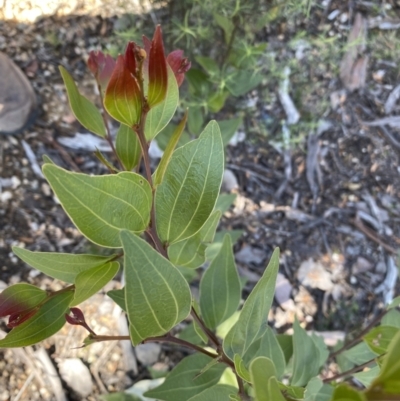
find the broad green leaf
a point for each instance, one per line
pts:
(90, 281)
(267, 346)
(254, 314)
(241, 369)
(120, 397)
(46, 322)
(213, 249)
(189, 274)
(165, 135)
(243, 81)
(84, 110)
(343, 392)
(224, 202)
(224, 328)
(220, 291)
(128, 147)
(389, 379)
(62, 266)
(322, 348)
(305, 353)
(189, 333)
(292, 392)
(118, 296)
(181, 384)
(160, 115)
(20, 297)
(316, 390)
(166, 157)
(206, 368)
(100, 207)
(220, 392)
(199, 85)
(263, 378)
(286, 343)
(379, 338)
(217, 101)
(190, 252)
(187, 195)
(226, 24)
(195, 120)
(159, 296)
(394, 303)
(392, 318)
(356, 355)
(366, 377)
(228, 128)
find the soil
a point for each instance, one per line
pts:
(332, 199)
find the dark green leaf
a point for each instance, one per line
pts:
(181, 385)
(208, 64)
(316, 390)
(226, 24)
(195, 120)
(46, 322)
(286, 343)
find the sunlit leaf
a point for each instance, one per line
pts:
(379, 338)
(159, 296)
(62, 266)
(187, 195)
(84, 110)
(101, 207)
(220, 392)
(240, 368)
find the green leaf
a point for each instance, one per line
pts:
(220, 291)
(20, 297)
(267, 346)
(343, 392)
(101, 207)
(394, 303)
(228, 128)
(46, 159)
(199, 85)
(91, 281)
(213, 249)
(220, 392)
(128, 147)
(196, 326)
(181, 385)
(46, 322)
(224, 328)
(105, 162)
(241, 369)
(286, 343)
(263, 377)
(226, 24)
(242, 82)
(208, 64)
(254, 314)
(160, 115)
(356, 355)
(62, 266)
(224, 202)
(291, 392)
(392, 318)
(165, 135)
(118, 296)
(367, 376)
(316, 390)
(195, 120)
(120, 397)
(389, 379)
(305, 354)
(166, 157)
(322, 348)
(379, 338)
(189, 333)
(84, 110)
(217, 101)
(187, 195)
(159, 296)
(190, 252)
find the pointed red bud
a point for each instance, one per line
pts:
(146, 46)
(101, 66)
(123, 100)
(158, 79)
(77, 318)
(16, 319)
(130, 58)
(179, 65)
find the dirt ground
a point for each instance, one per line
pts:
(329, 199)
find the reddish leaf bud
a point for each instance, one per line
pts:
(101, 66)
(16, 319)
(77, 318)
(179, 65)
(130, 58)
(158, 79)
(123, 99)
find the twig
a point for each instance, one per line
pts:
(212, 337)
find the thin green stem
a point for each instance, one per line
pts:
(211, 336)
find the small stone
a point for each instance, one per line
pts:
(229, 181)
(362, 265)
(283, 289)
(148, 354)
(249, 254)
(313, 274)
(76, 374)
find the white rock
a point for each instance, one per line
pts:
(283, 289)
(249, 254)
(148, 354)
(313, 274)
(229, 181)
(76, 374)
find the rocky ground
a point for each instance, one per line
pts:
(329, 198)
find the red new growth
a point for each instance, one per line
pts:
(101, 66)
(179, 65)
